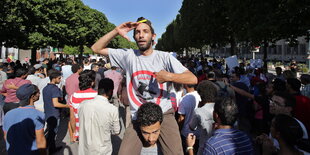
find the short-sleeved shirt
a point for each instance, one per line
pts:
(188, 104)
(142, 85)
(75, 100)
(228, 141)
(203, 121)
(72, 85)
(117, 78)
(11, 93)
(49, 92)
(20, 125)
(156, 150)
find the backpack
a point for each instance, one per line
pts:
(222, 92)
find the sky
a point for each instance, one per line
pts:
(159, 12)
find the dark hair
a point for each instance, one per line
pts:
(207, 91)
(289, 129)
(86, 60)
(294, 83)
(149, 114)
(279, 85)
(279, 68)
(69, 61)
(20, 72)
(93, 65)
(211, 74)
(227, 111)
(289, 99)
(237, 74)
(303, 78)
(75, 68)
(31, 70)
(147, 22)
(86, 78)
(105, 85)
(54, 74)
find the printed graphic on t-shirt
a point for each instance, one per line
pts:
(144, 87)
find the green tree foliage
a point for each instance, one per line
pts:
(218, 23)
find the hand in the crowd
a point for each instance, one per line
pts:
(268, 147)
(225, 80)
(124, 28)
(190, 140)
(162, 76)
(261, 138)
(11, 86)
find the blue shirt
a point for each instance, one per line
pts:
(20, 125)
(51, 91)
(227, 142)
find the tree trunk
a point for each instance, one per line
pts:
(265, 55)
(33, 56)
(81, 49)
(232, 46)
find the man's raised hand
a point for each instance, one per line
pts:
(124, 28)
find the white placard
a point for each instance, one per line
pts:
(232, 62)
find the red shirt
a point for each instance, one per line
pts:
(302, 110)
(75, 100)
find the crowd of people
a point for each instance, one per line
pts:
(174, 105)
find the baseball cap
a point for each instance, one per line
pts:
(37, 66)
(24, 92)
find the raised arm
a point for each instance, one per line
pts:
(100, 47)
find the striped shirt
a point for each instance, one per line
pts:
(228, 141)
(75, 100)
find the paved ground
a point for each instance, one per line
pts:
(63, 138)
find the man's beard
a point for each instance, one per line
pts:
(145, 47)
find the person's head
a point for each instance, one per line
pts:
(293, 85)
(235, 77)
(31, 71)
(305, 79)
(225, 112)
(69, 61)
(211, 75)
(76, 68)
(282, 103)
(189, 86)
(106, 87)
(95, 67)
(286, 129)
(27, 94)
(55, 76)
(87, 79)
(144, 34)
(86, 61)
(207, 91)
(278, 70)
(21, 73)
(45, 61)
(278, 85)
(149, 119)
(288, 74)
(113, 67)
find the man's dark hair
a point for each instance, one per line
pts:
(294, 83)
(227, 111)
(35, 91)
(54, 74)
(279, 68)
(211, 74)
(86, 78)
(69, 61)
(289, 129)
(237, 74)
(305, 78)
(105, 85)
(278, 85)
(207, 91)
(149, 114)
(31, 70)
(20, 72)
(148, 22)
(93, 65)
(75, 68)
(289, 99)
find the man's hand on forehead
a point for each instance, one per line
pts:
(124, 28)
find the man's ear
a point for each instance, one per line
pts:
(153, 39)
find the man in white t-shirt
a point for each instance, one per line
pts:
(189, 102)
(150, 74)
